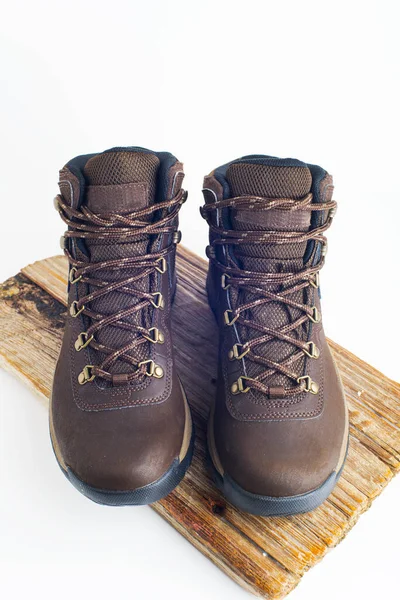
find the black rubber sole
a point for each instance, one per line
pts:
(271, 506)
(145, 495)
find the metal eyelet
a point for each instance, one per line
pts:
(73, 309)
(176, 237)
(237, 352)
(315, 282)
(72, 276)
(160, 300)
(238, 388)
(227, 319)
(56, 202)
(332, 212)
(155, 336)
(225, 285)
(82, 341)
(311, 386)
(152, 369)
(163, 268)
(210, 252)
(315, 317)
(86, 375)
(312, 351)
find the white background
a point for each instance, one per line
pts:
(209, 81)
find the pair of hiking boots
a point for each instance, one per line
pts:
(120, 422)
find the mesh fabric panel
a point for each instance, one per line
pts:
(270, 182)
(113, 168)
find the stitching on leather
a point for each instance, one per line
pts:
(71, 187)
(271, 415)
(122, 403)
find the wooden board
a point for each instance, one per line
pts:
(267, 556)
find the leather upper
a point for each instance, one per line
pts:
(274, 446)
(119, 437)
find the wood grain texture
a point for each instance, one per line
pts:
(266, 556)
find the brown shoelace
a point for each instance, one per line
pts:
(112, 227)
(257, 283)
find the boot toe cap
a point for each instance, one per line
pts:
(283, 466)
(116, 471)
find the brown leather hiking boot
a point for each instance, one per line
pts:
(279, 431)
(119, 420)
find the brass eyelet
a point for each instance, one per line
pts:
(159, 303)
(72, 276)
(82, 341)
(315, 317)
(73, 309)
(237, 352)
(238, 388)
(227, 319)
(86, 375)
(315, 282)
(152, 369)
(312, 351)
(163, 268)
(155, 336)
(311, 386)
(225, 285)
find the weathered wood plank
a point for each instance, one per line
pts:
(266, 556)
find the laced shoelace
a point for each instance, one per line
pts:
(257, 284)
(112, 227)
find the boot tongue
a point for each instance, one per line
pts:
(267, 181)
(120, 182)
